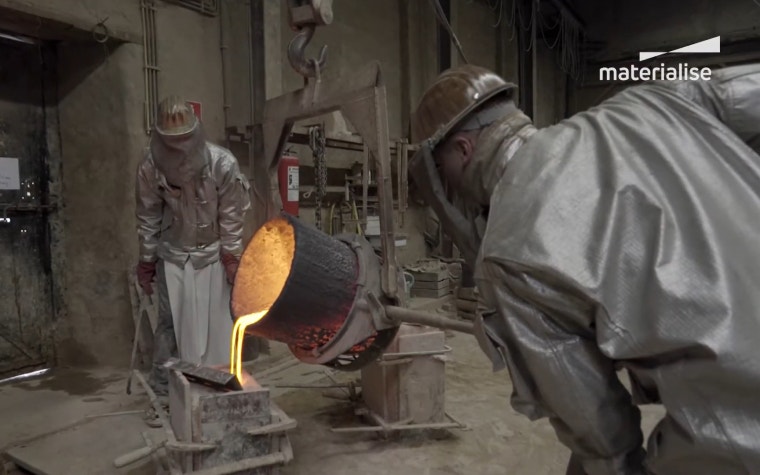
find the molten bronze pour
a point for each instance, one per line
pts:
(295, 285)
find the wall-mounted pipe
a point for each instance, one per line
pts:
(224, 51)
(150, 61)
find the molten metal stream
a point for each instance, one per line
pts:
(263, 271)
(236, 342)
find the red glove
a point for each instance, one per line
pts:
(146, 271)
(230, 263)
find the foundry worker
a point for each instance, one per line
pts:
(191, 200)
(627, 236)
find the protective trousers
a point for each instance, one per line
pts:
(164, 340)
(194, 321)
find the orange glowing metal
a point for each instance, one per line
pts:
(236, 343)
(264, 269)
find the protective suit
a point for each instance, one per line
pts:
(191, 201)
(627, 237)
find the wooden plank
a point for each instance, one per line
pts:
(180, 416)
(430, 276)
(429, 293)
(442, 284)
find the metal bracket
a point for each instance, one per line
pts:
(388, 427)
(361, 97)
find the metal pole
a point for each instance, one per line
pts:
(405, 315)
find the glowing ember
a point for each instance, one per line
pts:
(236, 342)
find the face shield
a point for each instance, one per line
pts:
(176, 124)
(178, 144)
(175, 117)
(460, 218)
(425, 173)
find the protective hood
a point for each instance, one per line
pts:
(181, 158)
(495, 147)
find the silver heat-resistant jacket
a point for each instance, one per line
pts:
(628, 236)
(176, 227)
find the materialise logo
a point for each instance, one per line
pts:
(680, 72)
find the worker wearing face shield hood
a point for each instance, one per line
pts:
(191, 202)
(623, 237)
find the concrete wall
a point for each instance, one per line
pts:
(100, 111)
(235, 32)
(121, 17)
(189, 56)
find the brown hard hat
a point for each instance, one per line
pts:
(454, 94)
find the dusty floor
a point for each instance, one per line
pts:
(47, 420)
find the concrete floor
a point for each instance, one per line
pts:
(497, 440)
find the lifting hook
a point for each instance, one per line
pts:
(305, 16)
(308, 68)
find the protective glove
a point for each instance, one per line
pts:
(230, 263)
(146, 271)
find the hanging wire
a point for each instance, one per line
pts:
(521, 22)
(441, 15)
(501, 12)
(567, 39)
(513, 19)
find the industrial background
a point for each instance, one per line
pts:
(79, 79)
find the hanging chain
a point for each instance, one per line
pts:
(317, 145)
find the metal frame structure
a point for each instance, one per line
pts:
(386, 427)
(176, 451)
(362, 99)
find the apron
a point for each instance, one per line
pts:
(200, 304)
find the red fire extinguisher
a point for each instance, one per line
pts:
(287, 175)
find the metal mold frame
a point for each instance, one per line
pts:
(387, 428)
(180, 453)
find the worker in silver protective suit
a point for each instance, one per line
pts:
(624, 237)
(191, 201)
